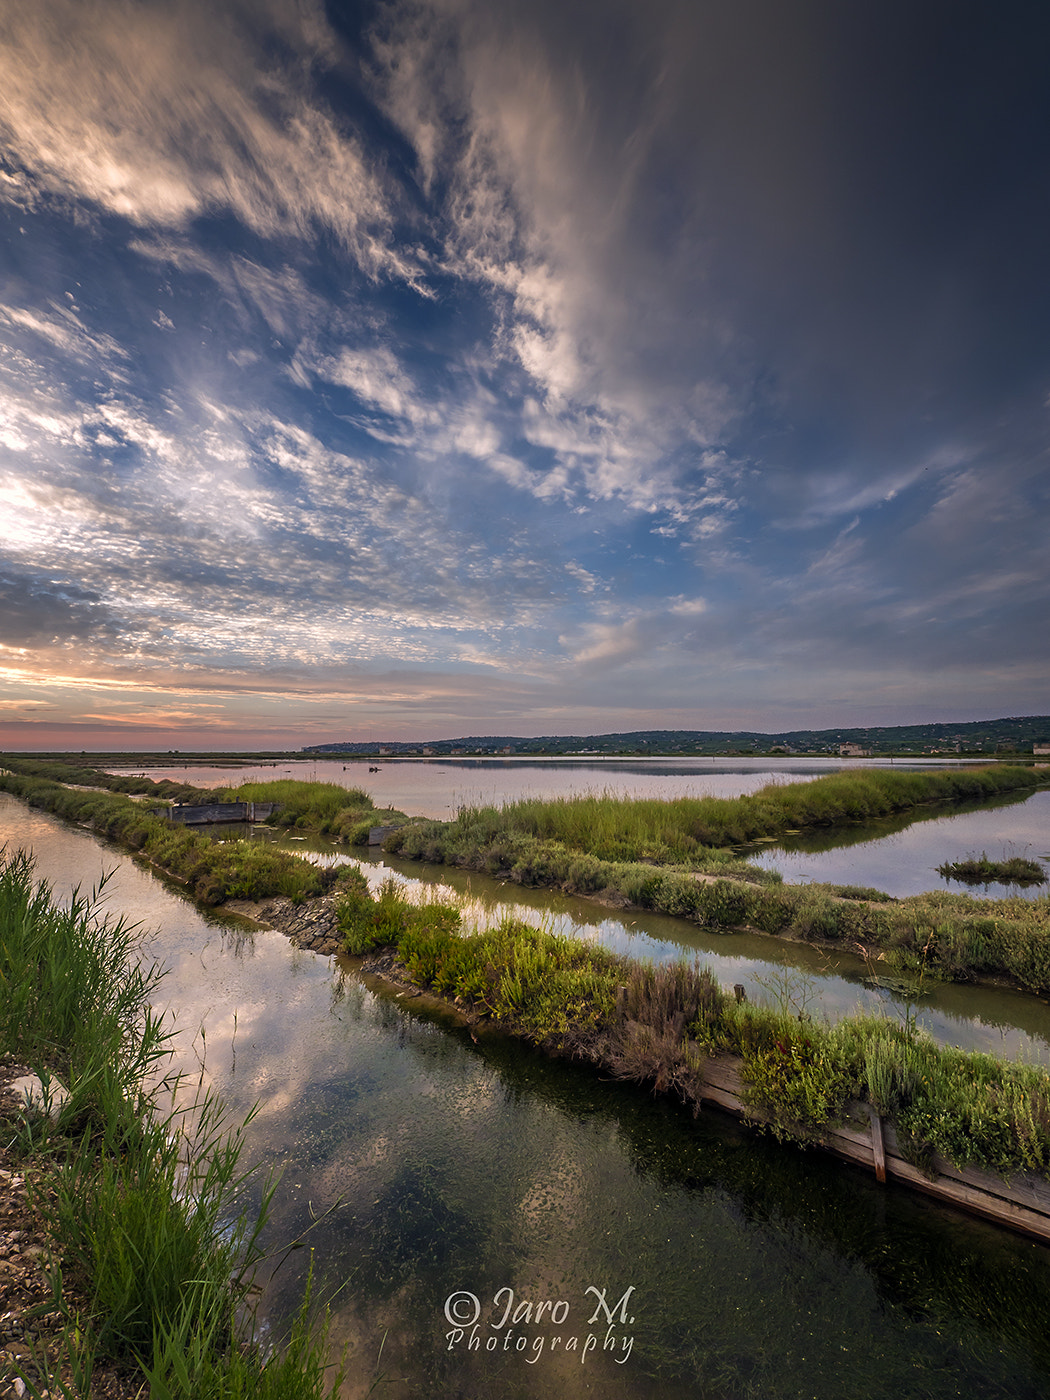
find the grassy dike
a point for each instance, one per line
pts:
(652, 855)
(694, 829)
(212, 871)
(658, 1025)
(660, 860)
(151, 1256)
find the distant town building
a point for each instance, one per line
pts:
(853, 751)
(1041, 746)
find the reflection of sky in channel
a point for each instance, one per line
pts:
(906, 862)
(416, 1162)
(997, 1020)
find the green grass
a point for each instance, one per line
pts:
(143, 1201)
(687, 829)
(944, 935)
(331, 810)
(366, 922)
(327, 808)
(981, 871)
(212, 871)
(648, 854)
(83, 775)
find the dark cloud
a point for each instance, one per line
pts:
(37, 611)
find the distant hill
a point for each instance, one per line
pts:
(989, 736)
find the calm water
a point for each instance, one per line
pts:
(437, 1166)
(899, 856)
(438, 787)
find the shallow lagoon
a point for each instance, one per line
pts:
(899, 855)
(439, 787)
(449, 1165)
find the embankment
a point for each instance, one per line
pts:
(967, 1128)
(624, 852)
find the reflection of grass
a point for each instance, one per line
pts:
(697, 828)
(959, 937)
(1018, 870)
(141, 1203)
(815, 840)
(649, 854)
(657, 1024)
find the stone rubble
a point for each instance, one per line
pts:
(313, 925)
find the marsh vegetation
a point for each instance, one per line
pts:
(657, 1024)
(979, 870)
(140, 1187)
(660, 856)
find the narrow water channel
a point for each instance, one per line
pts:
(804, 979)
(441, 1170)
(898, 855)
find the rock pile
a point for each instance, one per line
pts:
(312, 925)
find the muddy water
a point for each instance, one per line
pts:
(442, 1171)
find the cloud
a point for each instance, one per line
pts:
(378, 382)
(62, 328)
(35, 609)
(701, 395)
(164, 113)
(538, 213)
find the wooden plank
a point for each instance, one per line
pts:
(1024, 1189)
(972, 1199)
(1022, 1203)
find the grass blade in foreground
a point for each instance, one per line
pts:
(142, 1205)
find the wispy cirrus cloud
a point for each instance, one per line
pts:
(165, 113)
(430, 350)
(539, 211)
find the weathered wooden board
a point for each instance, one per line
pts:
(1022, 1202)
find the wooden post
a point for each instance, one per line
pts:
(878, 1151)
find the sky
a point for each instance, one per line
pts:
(416, 370)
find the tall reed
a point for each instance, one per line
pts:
(146, 1204)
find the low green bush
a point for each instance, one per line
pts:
(366, 922)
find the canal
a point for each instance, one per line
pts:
(445, 1185)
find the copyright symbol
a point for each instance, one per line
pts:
(462, 1309)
